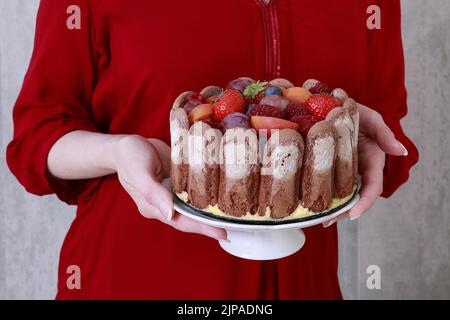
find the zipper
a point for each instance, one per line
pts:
(271, 39)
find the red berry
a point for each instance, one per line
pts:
(231, 101)
(265, 111)
(320, 105)
(295, 109)
(305, 123)
(255, 92)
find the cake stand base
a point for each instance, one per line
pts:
(263, 245)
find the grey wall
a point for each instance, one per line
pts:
(31, 228)
(407, 236)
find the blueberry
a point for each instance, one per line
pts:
(273, 90)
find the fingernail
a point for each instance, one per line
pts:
(329, 223)
(405, 151)
(355, 217)
(166, 211)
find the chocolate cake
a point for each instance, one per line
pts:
(264, 150)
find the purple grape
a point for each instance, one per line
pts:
(239, 84)
(236, 120)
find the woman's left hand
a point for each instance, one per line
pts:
(375, 141)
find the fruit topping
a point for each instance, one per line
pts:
(240, 84)
(255, 92)
(249, 107)
(236, 120)
(305, 123)
(273, 90)
(276, 101)
(193, 100)
(230, 101)
(316, 87)
(270, 123)
(297, 94)
(295, 109)
(321, 105)
(200, 112)
(265, 111)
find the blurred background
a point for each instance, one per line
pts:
(407, 236)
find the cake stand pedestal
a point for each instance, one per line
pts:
(263, 245)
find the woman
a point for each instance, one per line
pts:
(91, 125)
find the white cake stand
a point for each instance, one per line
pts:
(262, 240)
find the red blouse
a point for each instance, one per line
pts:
(120, 74)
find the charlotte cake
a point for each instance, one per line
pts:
(264, 150)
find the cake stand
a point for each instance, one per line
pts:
(262, 240)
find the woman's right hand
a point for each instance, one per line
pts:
(141, 165)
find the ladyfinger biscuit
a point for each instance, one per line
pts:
(179, 127)
(318, 167)
(181, 99)
(210, 91)
(204, 154)
(344, 178)
(351, 106)
(282, 83)
(279, 187)
(239, 172)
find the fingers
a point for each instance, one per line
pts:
(371, 168)
(343, 216)
(186, 224)
(180, 222)
(160, 197)
(371, 164)
(373, 125)
(148, 210)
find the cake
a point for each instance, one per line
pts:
(264, 150)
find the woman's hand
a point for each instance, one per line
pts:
(375, 141)
(141, 165)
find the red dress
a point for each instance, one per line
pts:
(121, 72)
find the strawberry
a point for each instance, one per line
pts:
(230, 101)
(265, 111)
(320, 105)
(295, 109)
(255, 92)
(305, 123)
